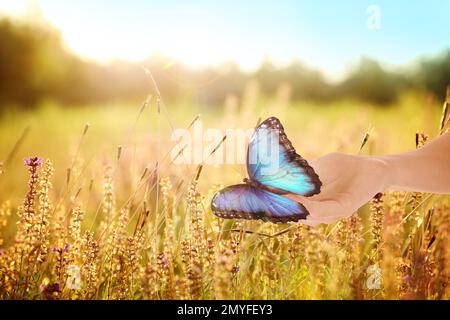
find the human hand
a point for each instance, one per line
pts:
(348, 182)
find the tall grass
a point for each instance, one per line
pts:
(133, 226)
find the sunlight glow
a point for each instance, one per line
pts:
(199, 32)
(189, 42)
(13, 8)
(191, 46)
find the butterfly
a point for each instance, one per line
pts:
(274, 170)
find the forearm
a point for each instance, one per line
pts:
(423, 170)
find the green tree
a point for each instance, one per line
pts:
(370, 82)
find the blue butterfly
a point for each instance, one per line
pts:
(274, 169)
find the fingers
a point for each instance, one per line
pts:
(326, 211)
(316, 208)
(310, 221)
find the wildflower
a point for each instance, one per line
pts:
(33, 162)
(408, 296)
(222, 275)
(163, 261)
(376, 219)
(407, 279)
(51, 291)
(44, 284)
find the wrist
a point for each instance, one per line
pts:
(396, 172)
(382, 170)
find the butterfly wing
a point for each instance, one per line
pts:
(243, 201)
(273, 162)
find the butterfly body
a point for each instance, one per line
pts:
(257, 184)
(274, 170)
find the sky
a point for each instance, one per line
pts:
(328, 35)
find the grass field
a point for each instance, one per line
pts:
(106, 204)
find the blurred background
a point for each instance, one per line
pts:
(331, 72)
(95, 51)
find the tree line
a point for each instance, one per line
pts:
(35, 66)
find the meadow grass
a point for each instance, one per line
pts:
(104, 201)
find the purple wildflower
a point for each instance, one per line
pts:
(407, 279)
(50, 291)
(33, 161)
(66, 248)
(163, 261)
(235, 269)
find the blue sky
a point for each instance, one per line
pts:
(329, 35)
